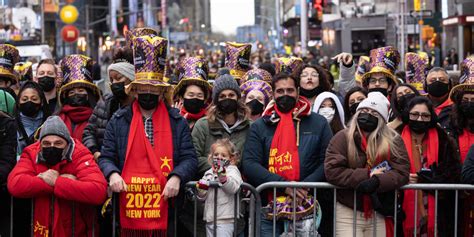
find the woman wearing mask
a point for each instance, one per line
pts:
(228, 117)
(352, 100)
(33, 111)
(256, 91)
(370, 158)
(328, 105)
(78, 95)
(433, 159)
(313, 81)
(461, 127)
(121, 73)
(193, 91)
(401, 96)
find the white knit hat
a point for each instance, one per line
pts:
(378, 102)
(124, 68)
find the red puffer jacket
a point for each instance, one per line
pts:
(84, 193)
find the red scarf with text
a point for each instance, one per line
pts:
(284, 158)
(409, 199)
(143, 211)
(79, 116)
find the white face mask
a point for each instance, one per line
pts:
(328, 113)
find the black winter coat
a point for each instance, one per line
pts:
(93, 135)
(8, 145)
(114, 148)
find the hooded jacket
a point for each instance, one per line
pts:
(84, 193)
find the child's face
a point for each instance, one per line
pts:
(221, 157)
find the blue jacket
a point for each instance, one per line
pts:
(314, 136)
(112, 157)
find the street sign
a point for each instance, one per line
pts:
(422, 13)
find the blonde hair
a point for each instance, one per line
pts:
(229, 146)
(379, 143)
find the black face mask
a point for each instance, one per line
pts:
(46, 83)
(227, 106)
(30, 108)
(78, 100)
(353, 108)
(193, 106)
(403, 101)
(467, 108)
(311, 93)
(148, 101)
(118, 90)
(255, 106)
(52, 155)
(419, 127)
(285, 103)
(367, 122)
(438, 89)
(381, 90)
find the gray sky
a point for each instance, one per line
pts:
(227, 15)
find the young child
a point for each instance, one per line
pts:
(223, 159)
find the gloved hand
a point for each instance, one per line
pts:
(202, 184)
(222, 175)
(368, 186)
(428, 176)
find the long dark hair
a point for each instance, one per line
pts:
(323, 76)
(416, 101)
(394, 100)
(335, 124)
(346, 106)
(44, 106)
(458, 120)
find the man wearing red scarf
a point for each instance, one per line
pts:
(438, 86)
(147, 153)
(61, 177)
(287, 144)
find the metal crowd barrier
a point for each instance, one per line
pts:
(255, 206)
(322, 185)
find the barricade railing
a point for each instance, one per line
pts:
(255, 206)
(322, 185)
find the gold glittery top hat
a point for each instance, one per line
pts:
(24, 70)
(362, 67)
(9, 56)
(291, 66)
(383, 60)
(192, 71)
(77, 72)
(237, 58)
(258, 74)
(149, 56)
(137, 32)
(466, 79)
(415, 67)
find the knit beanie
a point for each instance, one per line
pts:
(225, 82)
(124, 68)
(7, 102)
(55, 126)
(378, 102)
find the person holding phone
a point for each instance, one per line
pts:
(433, 159)
(369, 157)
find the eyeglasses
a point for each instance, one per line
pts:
(374, 81)
(307, 74)
(424, 116)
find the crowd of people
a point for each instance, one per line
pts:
(67, 149)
